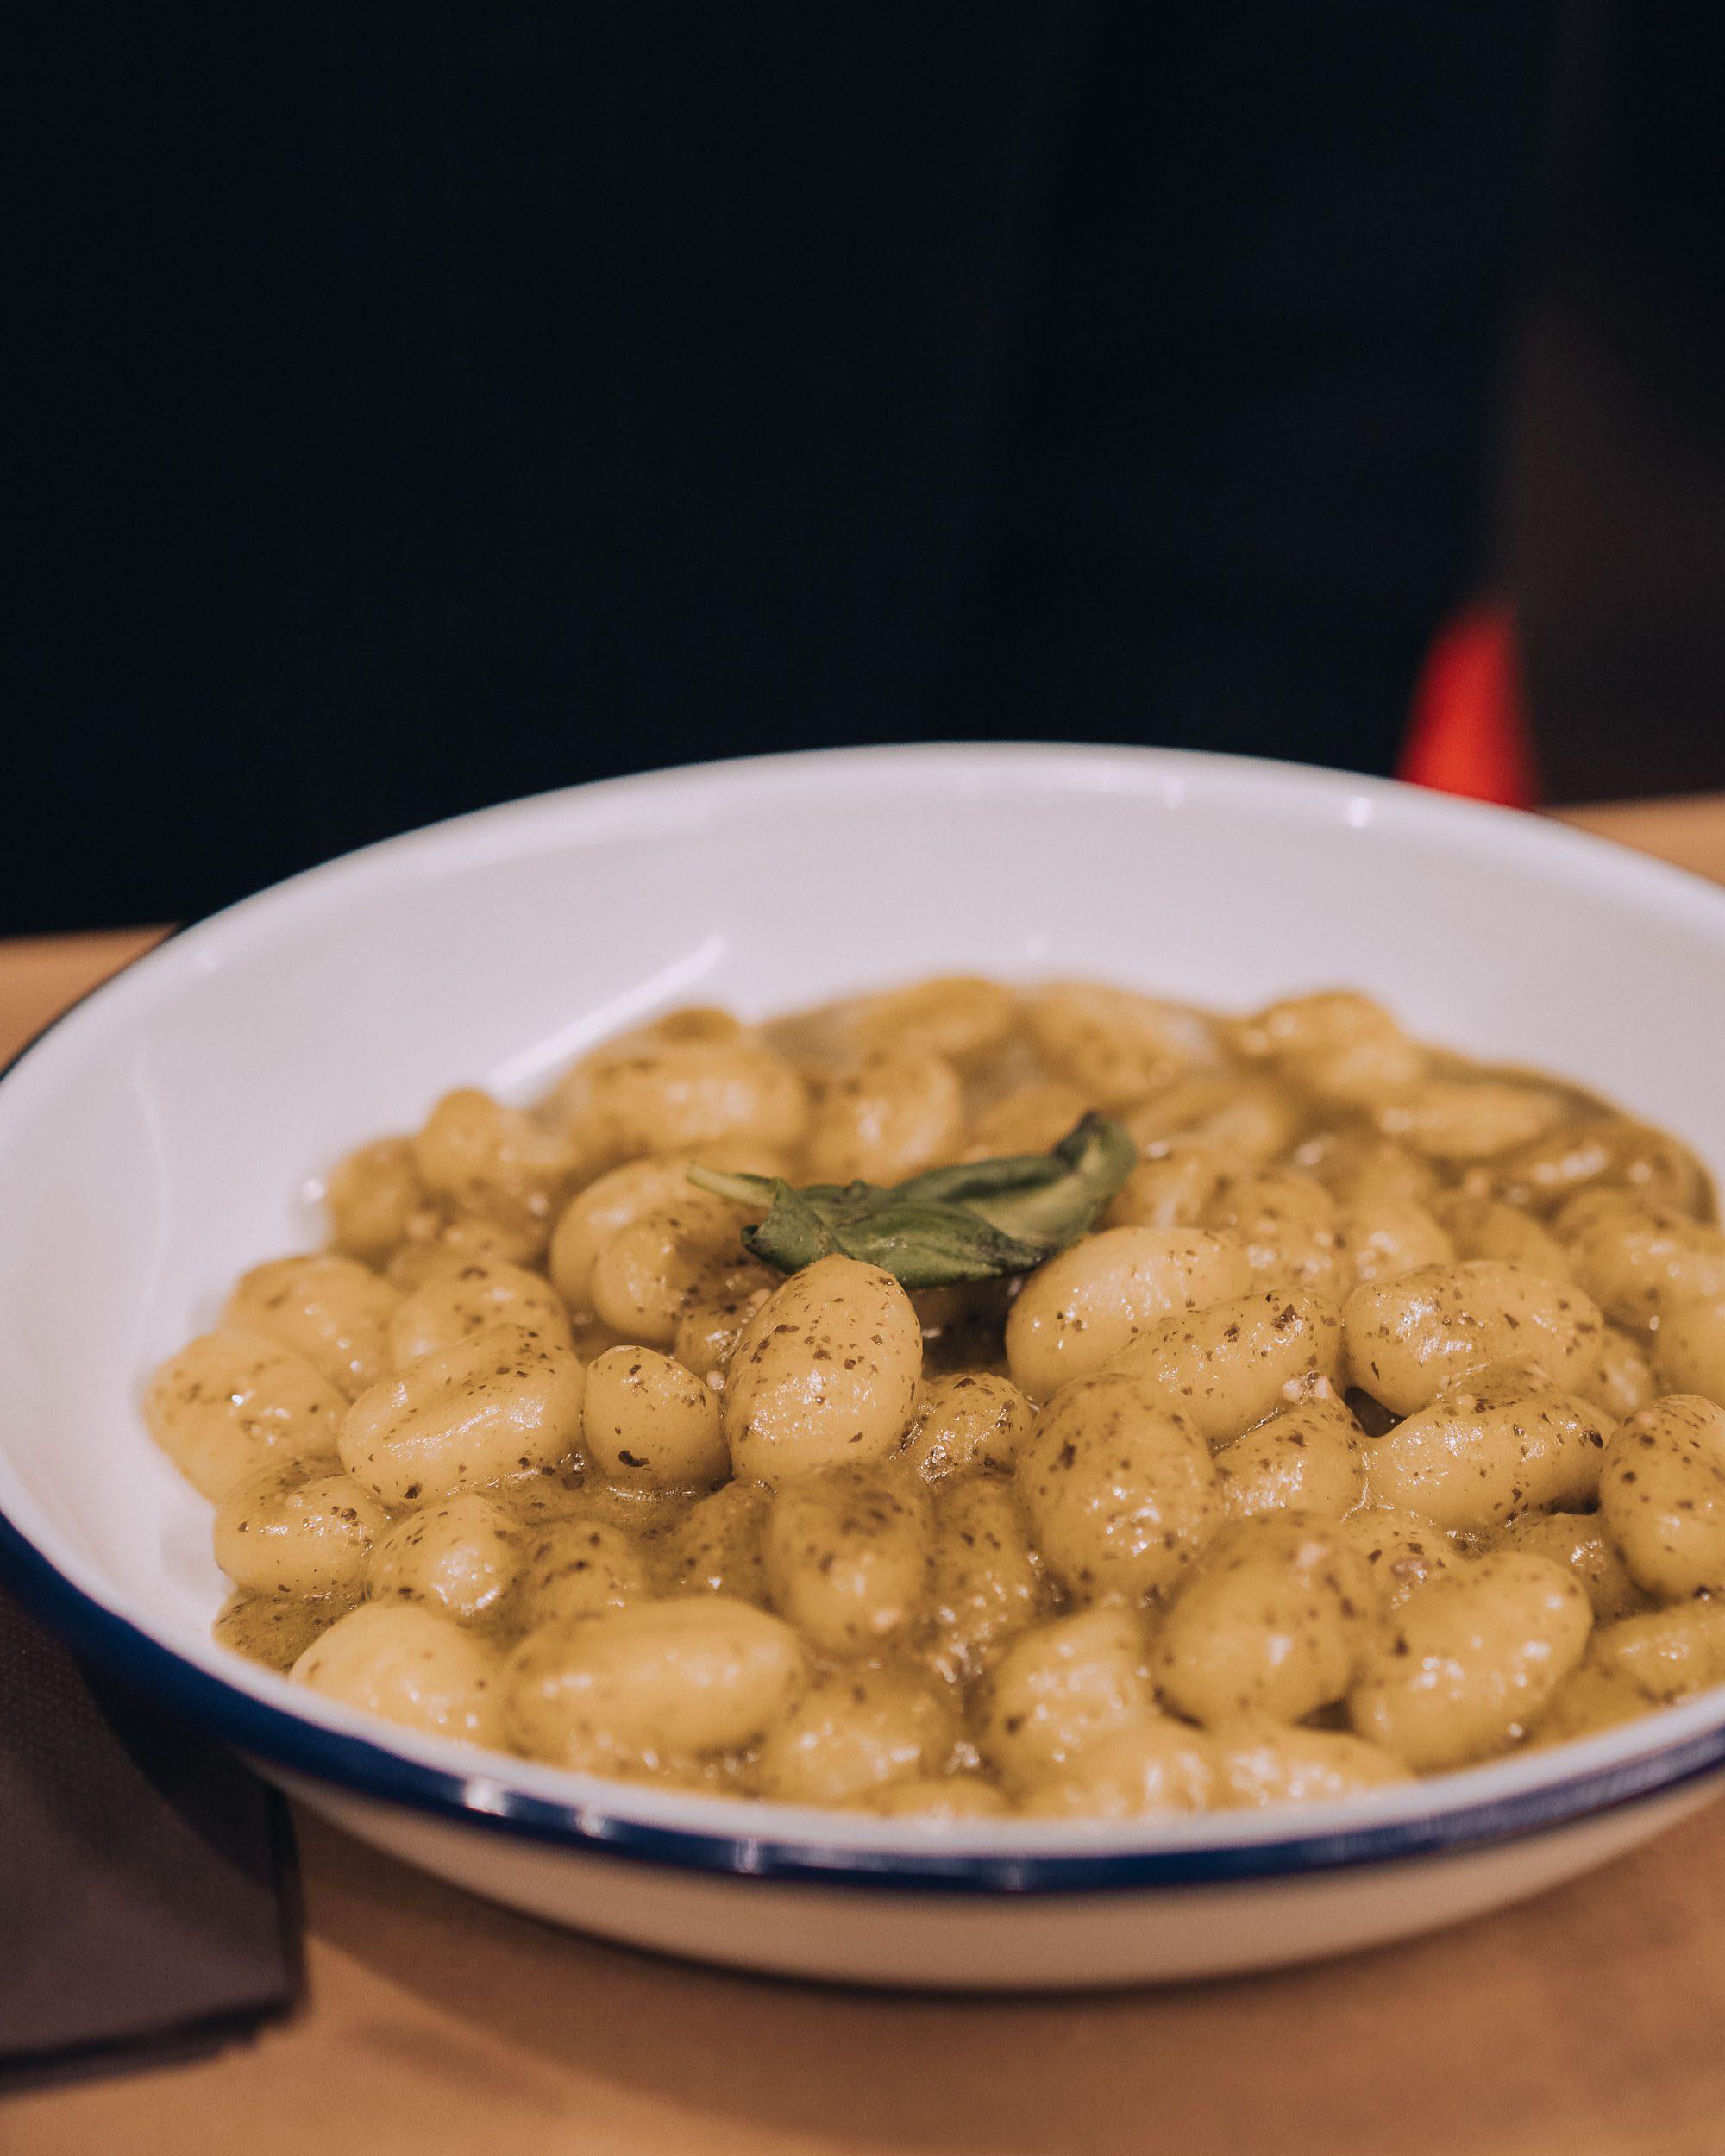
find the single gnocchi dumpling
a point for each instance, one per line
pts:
(1402, 1550)
(940, 1799)
(718, 1547)
(665, 1095)
(1262, 1763)
(1501, 1441)
(1121, 1492)
(1272, 1623)
(956, 1015)
(1638, 1260)
(275, 1630)
(409, 1664)
(481, 1157)
(1307, 1458)
(1623, 1379)
(1411, 1338)
(1662, 1495)
(376, 1201)
(1229, 1367)
(281, 1530)
(985, 1580)
(1152, 1766)
(899, 1110)
(1538, 1179)
(578, 1567)
(459, 1300)
(1077, 1311)
(614, 1201)
(1115, 1046)
(1665, 1653)
(1059, 1687)
(1290, 1229)
(496, 1403)
(1484, 1227)
(1601, 1152)
(1340, 1047)
(1029, 1120)
(1578, 1542)
(443, 1242)
(1470, 1118)
(846, 1553)
(461, 1557)
(651, 1273)
(1392, 1237)
(231, 1402)
(854, 1733)
(970, 1419)
(714, 1319)
(1469, 1664)
(648, 1423)
(1174, 1187)
(333, 1311)
(825, 1373)
(1235, 1114)
(1362, 1170)
(652, 1683)
(1592, 1697)
(1688, 1351)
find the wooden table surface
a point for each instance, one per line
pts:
(1588, 2021)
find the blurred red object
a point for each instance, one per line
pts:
(1469, 732)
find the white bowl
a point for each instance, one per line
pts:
(167, 1133)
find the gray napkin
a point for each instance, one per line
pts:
(148, 1904)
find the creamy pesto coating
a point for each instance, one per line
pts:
(1375, 1429)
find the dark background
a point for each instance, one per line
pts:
(422, 412)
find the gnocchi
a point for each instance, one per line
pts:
(499, 1401)
(854, 1733)
(1662, 1495)
(333, 1311)
(460, 1557)
(1120, 1491)
(282, 1532)
(824, 1373)
(1270, 1625)
(901, 1110)
(462, 1299)
(230, 1401)
(1470, 1662)
(1500, 1442)
(1154, 1764)
(410, 1665)
(1077, 1312)
(1306, 1458)
(846, 1554)
(1364, 1420)
(1410, 1338)
(972, 1419)
(649, 1422)
(656, 1681)
(1229, 1367)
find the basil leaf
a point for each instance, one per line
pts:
(1096, 1157)
(966, 1181)
(929, 1246)
(794, 1233)
(976, 1220)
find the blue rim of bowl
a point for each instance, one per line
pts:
(370, 1772)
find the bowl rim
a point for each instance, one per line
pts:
(335, 1747)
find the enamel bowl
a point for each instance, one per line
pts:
(168, 1131)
